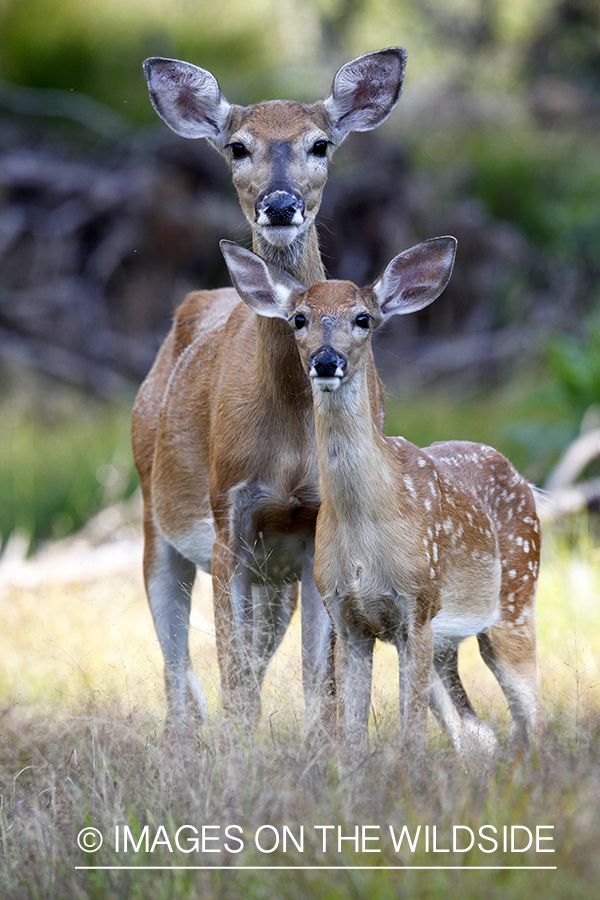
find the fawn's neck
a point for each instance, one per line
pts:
(353, 467)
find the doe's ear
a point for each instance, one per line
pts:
(265, 288)
(365, 91)
(416, 277)
(187, 98)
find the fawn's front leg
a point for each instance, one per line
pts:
(416, 666)
(353, 675)
(318, 641)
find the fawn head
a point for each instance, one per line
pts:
(278, 150)
(333, 321)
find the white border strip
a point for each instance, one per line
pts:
(315, 868)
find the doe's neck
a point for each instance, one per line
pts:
(301, 258)
(278, 368)
(279, 375)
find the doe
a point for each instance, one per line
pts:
(418, 547)
(223, 431)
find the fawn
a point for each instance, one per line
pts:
(418, 547)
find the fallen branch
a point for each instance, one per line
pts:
(563, 494)
(578, 455)
(569, 500)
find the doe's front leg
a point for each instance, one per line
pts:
(232, 590)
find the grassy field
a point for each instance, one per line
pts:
(83, 746)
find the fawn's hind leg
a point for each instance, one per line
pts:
(509, 651)
(450, 704)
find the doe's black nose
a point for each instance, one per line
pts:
(280, 207)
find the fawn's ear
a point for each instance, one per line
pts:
(416, 277)
(187, 97)
(365, 91)
(268, 290)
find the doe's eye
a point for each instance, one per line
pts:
(238, 151)
(299, 321)
(320, 148)
(363, 321)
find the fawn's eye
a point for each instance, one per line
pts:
(299, 321)
(320, 148)
(363, 321)
(238, 151)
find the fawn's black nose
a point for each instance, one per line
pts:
(327, 363)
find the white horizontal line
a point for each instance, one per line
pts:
(313, 868)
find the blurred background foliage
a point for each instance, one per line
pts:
(496, 139)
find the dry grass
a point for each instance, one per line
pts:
(83, 745)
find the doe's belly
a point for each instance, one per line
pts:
(278, 559)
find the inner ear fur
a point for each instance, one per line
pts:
(416, 277)
(187, 97)
(265, 288)
(365, 90)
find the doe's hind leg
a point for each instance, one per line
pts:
(272, 609)
(169, 580)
